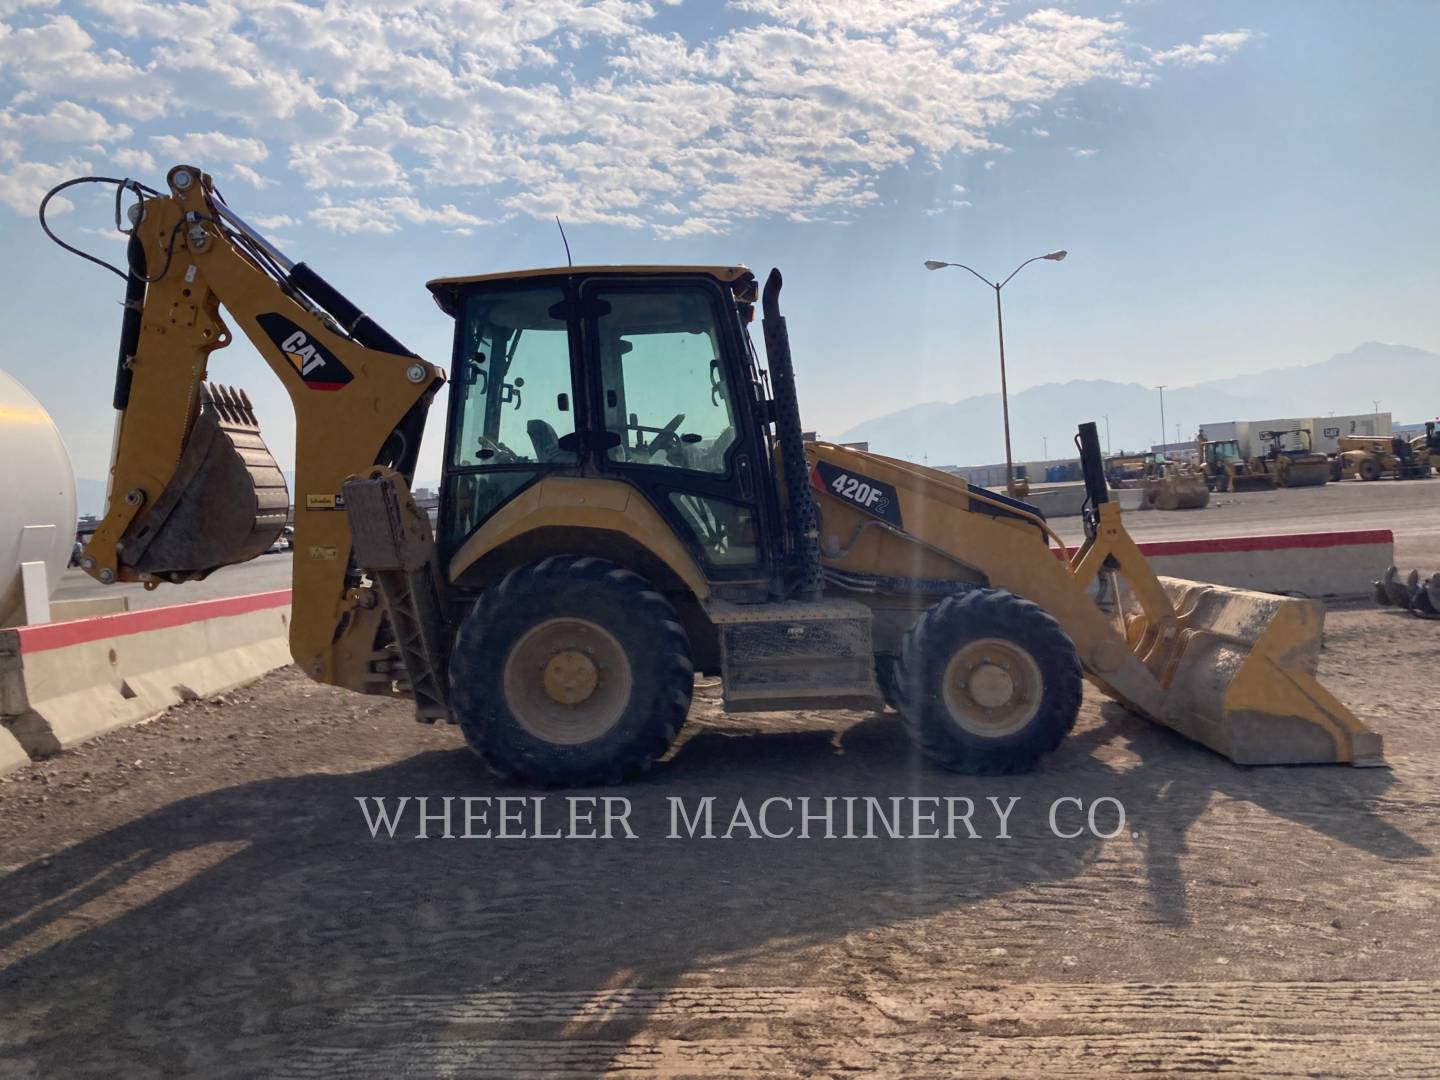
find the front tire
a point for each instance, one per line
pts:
(988, 682)
(571, 671)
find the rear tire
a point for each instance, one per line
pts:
(571, 671)
(988, 682)
(1368, 469)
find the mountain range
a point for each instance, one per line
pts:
(1406, 380)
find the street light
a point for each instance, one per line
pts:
(1162, 417)
(1053, 256)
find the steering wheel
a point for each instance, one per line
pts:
(665, 439)
(500, 454)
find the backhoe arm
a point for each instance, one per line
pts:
(192, 485)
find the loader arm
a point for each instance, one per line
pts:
(1230, 668)
(192, 486)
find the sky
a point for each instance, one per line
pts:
(1240, 186)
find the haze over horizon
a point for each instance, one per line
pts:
(1240, 187)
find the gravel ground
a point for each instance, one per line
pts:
(200, 896)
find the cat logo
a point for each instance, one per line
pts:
(317, 365)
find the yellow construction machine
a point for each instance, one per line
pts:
(627, 501)
(1226, 469)
(1293, 465)
(1399, 458)
(1174, 485)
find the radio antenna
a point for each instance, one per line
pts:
(568, 260)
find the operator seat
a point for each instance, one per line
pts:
(544, 438)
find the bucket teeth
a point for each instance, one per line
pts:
(1381, 594)
(1413, 595)
(1427, 598)
(231, 404)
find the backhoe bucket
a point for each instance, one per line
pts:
(1240, 678)
(226, 503)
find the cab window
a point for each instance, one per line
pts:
(516, 399)
(663, 388)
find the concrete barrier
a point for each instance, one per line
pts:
(12, 754)
(63, 683)
(1333, 564)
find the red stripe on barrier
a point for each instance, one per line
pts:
(1281, 542)
(35, 639)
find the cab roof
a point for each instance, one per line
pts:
(446, 289)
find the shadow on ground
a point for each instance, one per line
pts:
(272, 935)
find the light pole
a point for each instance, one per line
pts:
(1162, 417)
(1107, 434)
(1053, 256)
(1045, 439)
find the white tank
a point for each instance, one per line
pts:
(37, 487)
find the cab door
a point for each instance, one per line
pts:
(670, 386)
(513, 414)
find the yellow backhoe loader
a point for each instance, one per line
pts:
(1226, 469)
(626, 500)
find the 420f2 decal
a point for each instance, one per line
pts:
(873, 496)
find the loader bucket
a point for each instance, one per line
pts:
(1250, 481)
(1241, 678)
(1186, 491)
(226, 503)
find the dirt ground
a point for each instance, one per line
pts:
(201, 896)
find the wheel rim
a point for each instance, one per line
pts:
(567, 681)
(992, 687)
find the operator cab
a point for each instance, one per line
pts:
(640, 374)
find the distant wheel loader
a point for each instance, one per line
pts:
(626, 501)
(1174, 485)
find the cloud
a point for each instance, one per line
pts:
(1210, 49)
(11, 7)
(328, 165)
(1039, 133)
(130, 158)
(26, 183)
(598, 110)
(275, 221)
(67, 121)
(209, 147)
(388, 214)
(250, 176)
(1083, 151)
